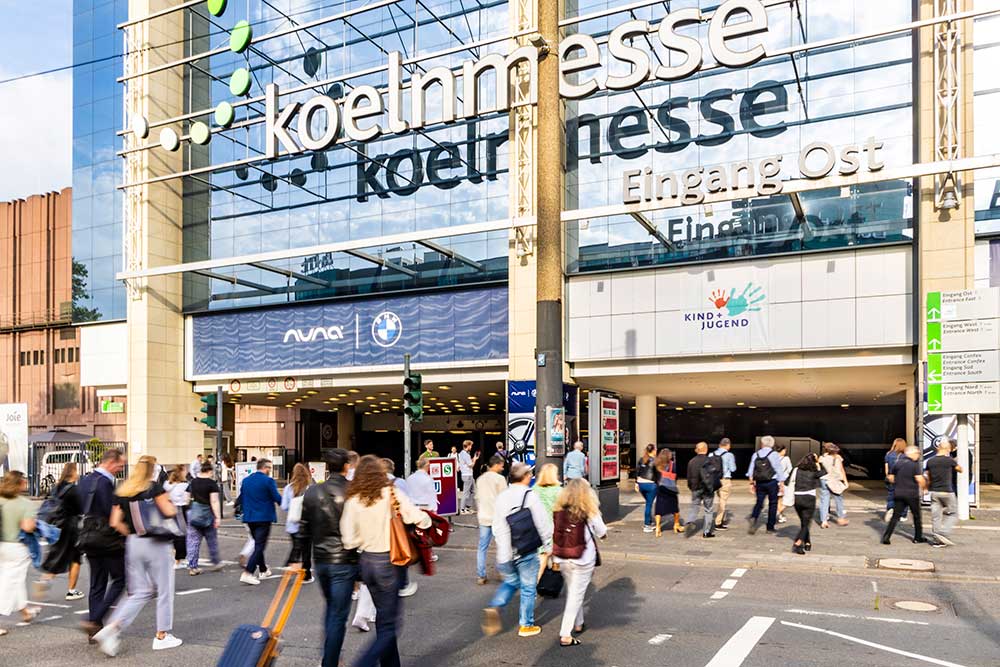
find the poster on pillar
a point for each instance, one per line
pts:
(939, 428)
(521, 419)
(13, 437)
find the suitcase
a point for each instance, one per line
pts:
(259, 645)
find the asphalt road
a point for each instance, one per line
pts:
(639, 613)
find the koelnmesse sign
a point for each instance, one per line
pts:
(353, 117)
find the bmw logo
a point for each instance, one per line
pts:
(387, 329)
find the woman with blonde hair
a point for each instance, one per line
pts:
(291, 502)
(18, 513)
(547, 486)
(148, 561)
(371, 503)
(578, 524)
(64, 555)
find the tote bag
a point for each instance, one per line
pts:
(401, 549)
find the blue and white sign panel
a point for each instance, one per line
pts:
(460, 325)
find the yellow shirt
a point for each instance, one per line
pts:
(430, 455)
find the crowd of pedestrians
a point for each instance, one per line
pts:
(142, 529)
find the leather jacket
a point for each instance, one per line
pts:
(321, 509)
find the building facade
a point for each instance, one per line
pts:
(735, 210)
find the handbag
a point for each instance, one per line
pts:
(149, 521)
(524, 537)
(201, 515)
(550, 584)
(597, 552)
(837, 485)
(96, 535)
(401, 549)
(295, 509)
(668, 479)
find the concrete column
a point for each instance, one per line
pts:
(345, 427)
(162, 409)
(645, 422)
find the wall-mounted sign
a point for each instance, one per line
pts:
(444, 472)
(13, 437)
(521, 419)
(112, 407)
(609, 439)
(555, 419)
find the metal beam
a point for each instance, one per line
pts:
(368, 257)
(339, 246)
(451, 254)
(288, 273)
(233, 280)
(648, 225)
(800, 213)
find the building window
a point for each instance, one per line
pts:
(34, 356)
(24, 357)
(70, 355)
(41, 357)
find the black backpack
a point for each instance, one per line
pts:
(524, 537)
(763, 471)
(53, 510)
(711, 474)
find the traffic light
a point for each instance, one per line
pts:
(413, 397)
(211, 410)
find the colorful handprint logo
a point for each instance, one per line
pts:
(719, 298)
(746, 302)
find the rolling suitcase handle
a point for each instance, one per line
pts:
(286, 604)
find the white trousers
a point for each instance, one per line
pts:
(365, 613)
(577, 579)
(14, 562)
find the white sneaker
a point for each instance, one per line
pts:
(782, 519)
(308, 580)
(168, 641)
(247, 578)
(409, 590)
(75, 595)
(648, 529)
(266, 574)
(108, 641)
(354, 595)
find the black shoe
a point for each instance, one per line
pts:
(885, 540)
(722, 526)
(771, 530)
(798, 549)
(807, 546)
(709, 535)
(920, 540)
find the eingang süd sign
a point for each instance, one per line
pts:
(367, 113)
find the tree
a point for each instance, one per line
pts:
(81, 314)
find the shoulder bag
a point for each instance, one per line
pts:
(149, 521)
(524, 537)
(668, 479)
(96, 535)
(295, 509)
(401, 549)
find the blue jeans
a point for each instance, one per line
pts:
(648, 491)
(768, 490)
(520, 574)
(485, 537)
(382, 579)
(824, 503)
(336, 581)
(259, 531)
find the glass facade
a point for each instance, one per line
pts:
(986, 84)
(97, 170)
(351, 190)
(719, 117)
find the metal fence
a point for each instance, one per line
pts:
(47, 459)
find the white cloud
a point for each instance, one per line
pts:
(36, 128)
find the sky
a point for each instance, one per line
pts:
(35, 113)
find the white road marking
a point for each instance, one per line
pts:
(729, 584)
(659, 639)
(738, 572)
(50, 604)
(811, 612)
(718, 595)
(865, 642)
(979, 527)
(51, 618)
(736, 650)
(82, 611)
(193, 591)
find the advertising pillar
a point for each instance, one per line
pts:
(603, 450)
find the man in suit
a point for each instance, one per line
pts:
(104, 547)
(259, 494)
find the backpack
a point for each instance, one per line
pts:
(524, 537)
(569, 538)
(53, 510)
(711, 474)
(763, 471)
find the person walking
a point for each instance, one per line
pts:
(466, 466)
(891, 458)
(667, 500)
(371, 503)
(176, 487)
(804, 481)
(226, 478)
(548, 488)
(577, 505)
(204, 518)
(335, 565)
(517, 566)
(429, 452)
(293, 495)
(726, 489)
(944, 504)
(786, 499)
(645, 484)
(832, 486)
(767, 480)
(17, 514)
(506, 456)
(421, 487)
(704, 476)
(195, 465)
(909, 480)
(148, 563)
(64, 555)
(102, 544)
(488, 487)
(575, 463)
(258, 495)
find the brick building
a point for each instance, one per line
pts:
(39, 342)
